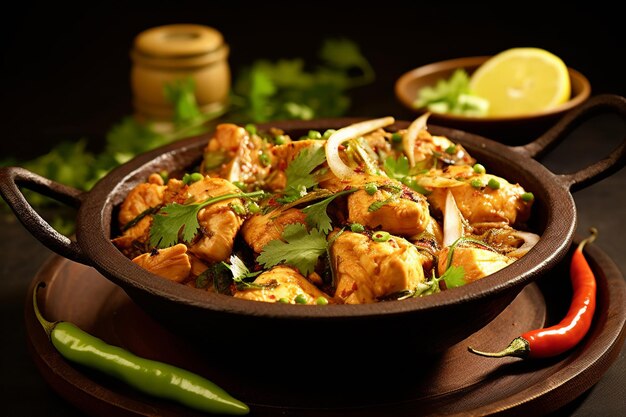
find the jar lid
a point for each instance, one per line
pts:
(178, 41)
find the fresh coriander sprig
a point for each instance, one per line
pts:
(299, 172)
(298, 248)
(174, 218)
(241, 273)
(316, 215)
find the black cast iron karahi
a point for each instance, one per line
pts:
(420, 325)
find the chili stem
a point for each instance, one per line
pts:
(48, 326)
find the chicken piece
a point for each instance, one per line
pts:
(133, 241)
(175, 192)
(483, 204)
(333, 184)
(259, 229)
(141, 198)
(366, 270)
(234, 154)
(218, 222)
(171, 263)
(429, 149)
(399, 211)
(282, 282)
(227, 137)
(476, 262)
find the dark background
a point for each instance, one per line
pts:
(65, 75)
(65, 71)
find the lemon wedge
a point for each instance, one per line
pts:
(521, 81)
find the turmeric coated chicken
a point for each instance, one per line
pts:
(353, 216)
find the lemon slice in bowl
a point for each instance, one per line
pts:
(521, 81)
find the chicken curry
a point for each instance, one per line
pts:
(352, 216)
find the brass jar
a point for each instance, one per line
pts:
(164, 54)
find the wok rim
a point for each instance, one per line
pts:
(94, 217)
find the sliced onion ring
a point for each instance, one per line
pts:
(530, 240)
(410, 137)
(452, 221)
(336, 165)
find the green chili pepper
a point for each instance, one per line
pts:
(149, 376)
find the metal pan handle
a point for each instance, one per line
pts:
(606, 103)
(11, 179)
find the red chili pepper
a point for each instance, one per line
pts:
(554, 340)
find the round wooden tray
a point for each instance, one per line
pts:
(335, 382)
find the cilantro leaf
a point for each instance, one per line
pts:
(169, 221)
(239, 269)
(454, 277)
(452, 96)
(299, 249)
(396, 168)
(241, 273)
(175, 218)
(316, 215)
(299, 171)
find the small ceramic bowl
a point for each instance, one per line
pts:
(509, 129)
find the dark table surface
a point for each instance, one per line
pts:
(77, 85)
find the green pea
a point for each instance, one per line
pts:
(196, 176)
(321, 301)
(314, 134)
(283, 300)
(301, 299)
(253, 207)
(240, 185)
(164, 176)
(381, 236)
(476, 183)
(479, 169)
(280, 140)
(251, 129)
(396, 137)
(371, 188)
(357, 228)
(528, 197)
(264, 159)
(186, 179)
(494, 184)
(451, 150)
(328, 133)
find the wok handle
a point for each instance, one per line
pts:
(606, 103)
(11, 179)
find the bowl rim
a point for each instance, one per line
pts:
(96, 214)
(401, 91)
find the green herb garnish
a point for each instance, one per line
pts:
(316, 215)
(452, 96)
(297, 248)
(175, 218)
